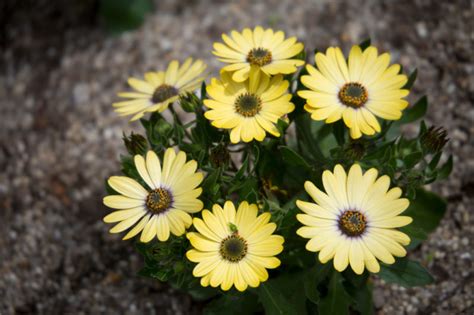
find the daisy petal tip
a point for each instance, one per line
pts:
(308, 185)
(299, 203)
(358, 271)
(299, 232)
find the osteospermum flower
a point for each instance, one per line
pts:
(164, 206)
(258, 49)
(234, 248)
(159, 89)
(357, 91)
(355, 221)
(250, 108)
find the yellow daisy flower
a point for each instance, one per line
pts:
(258, 49)
(250, 108)
(160, 88)
(234, 248)
(358, 91)
(355, 221)
(164, 206)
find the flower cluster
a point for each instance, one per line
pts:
(341, 142)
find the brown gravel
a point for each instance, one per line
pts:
(59, 139)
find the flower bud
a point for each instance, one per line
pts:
(355, 150)
(219, 156)
(189, 102)
(434, 139)
(135, 143)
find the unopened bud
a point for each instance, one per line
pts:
(219, 156)
(355, 150)
(434, 139)
(135, 143)
(189, 102)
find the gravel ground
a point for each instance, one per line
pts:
(59, 140)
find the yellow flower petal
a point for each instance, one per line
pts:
(218, 274)
(356, 257)
(205, 267)
(128, 187)
(122, 202)
(141, 86)
(121, 215)
(149, 231)
(137, 228)
(269, 246)
(341, 257)
(154, 168)
(198, 256)
(163, 228)
(140, 164)
(127, 223)
(249, 276)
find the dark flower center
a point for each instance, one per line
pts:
(353, 95)
(159, 200)
(259, 57)
(233, 248)
(352, 223)
(248, 105)
(164, 92)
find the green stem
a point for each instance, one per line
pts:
(178, 120)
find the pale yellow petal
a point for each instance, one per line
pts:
(154, 168)
(149, 231)
(142, 170)
(128, 187)
(163, 228)
(121, 215)
(122, 202)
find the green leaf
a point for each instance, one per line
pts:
(412, 159)
(381, 152)
(446, 169)
(155, 273)
(411, 80)
(359, 287)
(293, 158)
(232, 304)
(242, 169)
(129, 169)
(337, 299)
(211, 179)
(200, 293)
(415, 112)
(282, 125)
(406, 273)
(339, 130)
(313, 278)
(256, 156)
(306, 138)
(423, 128)
(427, 210)
(249, 190)
(434, 161)
(274, 301)
(364, 300)
(203, 91)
